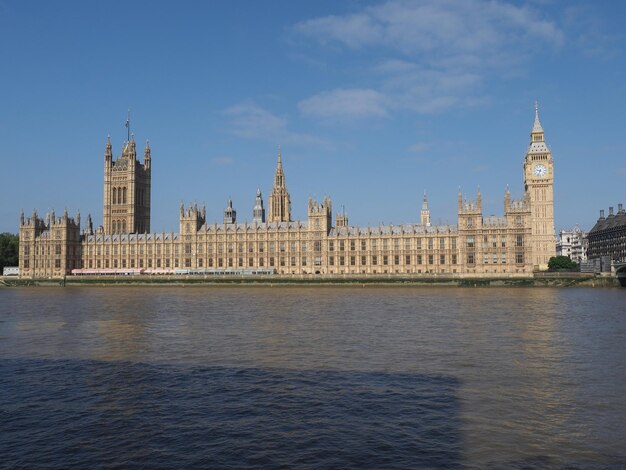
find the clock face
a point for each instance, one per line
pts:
(540, 170)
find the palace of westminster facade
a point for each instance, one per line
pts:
(517, 244)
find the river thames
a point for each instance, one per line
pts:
(320, 377)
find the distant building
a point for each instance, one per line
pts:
(572, 243)
(607, 238)
(11, 271)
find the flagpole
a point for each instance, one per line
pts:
(128, 125)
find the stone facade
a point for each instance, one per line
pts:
(516, 244)
(127, 190)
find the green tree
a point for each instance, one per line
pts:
(561, 263)
(9, 250)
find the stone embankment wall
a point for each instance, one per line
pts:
(538, 281)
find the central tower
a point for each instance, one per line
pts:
(539, 187)
(280, 203)
(127, 189)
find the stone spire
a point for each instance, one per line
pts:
(279, 176)
(537, 125)
(425, 212)
(537, 137)
(280, 202)
(258, 213)
(507, 199)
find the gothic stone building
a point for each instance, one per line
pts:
(516, 244)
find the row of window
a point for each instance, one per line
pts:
(492, 242)
(385, 259)
(495, 258)
(45, 264)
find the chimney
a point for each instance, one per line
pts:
(601, 213)
(610, 211)
(620, 208)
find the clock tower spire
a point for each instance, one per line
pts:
(539, 187)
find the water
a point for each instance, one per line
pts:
(322, 377)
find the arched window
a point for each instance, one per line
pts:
(124, 198)
(114, 196)
(124, 222)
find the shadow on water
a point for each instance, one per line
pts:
(66, 413)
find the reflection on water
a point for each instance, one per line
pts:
(393, 377)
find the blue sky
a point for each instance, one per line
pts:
(371, 102)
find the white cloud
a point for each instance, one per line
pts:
(442, 26)
(250, 121)
(345, 104)
(427, 55)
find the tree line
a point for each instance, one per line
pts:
(9, 250)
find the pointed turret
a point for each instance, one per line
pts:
(230, 214)
(341, 219)
(22, 217)
(507, 199)
(132, 152)
(425, 212)
(279, 176)
(108, 151)
(258, 213)
(147, 155)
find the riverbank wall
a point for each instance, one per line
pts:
(540, 280)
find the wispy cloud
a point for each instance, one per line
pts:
(445, 27)
(250, 121)
(428, 55)
(342, 104)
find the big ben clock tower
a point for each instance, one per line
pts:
(539, 187)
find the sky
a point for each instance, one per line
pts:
(372, 103)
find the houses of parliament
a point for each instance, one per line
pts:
(513, 245)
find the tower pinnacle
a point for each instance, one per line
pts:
(537, 129)
(280, 202)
